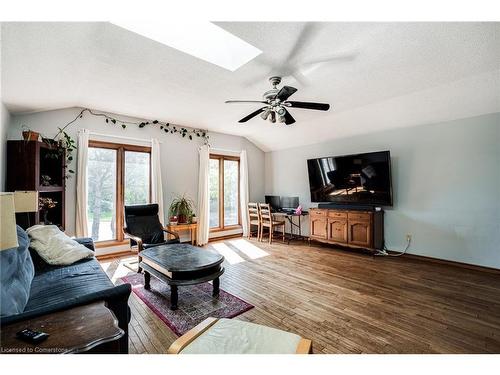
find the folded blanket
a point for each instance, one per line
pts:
(55, 247)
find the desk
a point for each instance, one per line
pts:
(193, 227)
(293, 235)
(84, 328)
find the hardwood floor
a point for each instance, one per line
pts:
(346, 302)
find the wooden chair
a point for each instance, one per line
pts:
(268, 221)
(253, 219)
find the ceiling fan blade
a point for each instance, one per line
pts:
(310, 105)
(289, 120)
(338, 57)
(285, 93)
(245, 101)
(252, 115)
(305, 37)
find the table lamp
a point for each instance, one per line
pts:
(8, 231)
(26, 201)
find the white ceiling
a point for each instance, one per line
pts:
(398, 74)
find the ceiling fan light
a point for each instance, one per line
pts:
(280, 111)
(272, 117)
(265, 114)
(281, 118)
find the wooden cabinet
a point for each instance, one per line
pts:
(337, 230)
(33, 165)
(363, 229)
(318, 227)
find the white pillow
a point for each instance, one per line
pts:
(55, 247)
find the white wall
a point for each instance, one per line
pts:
(4, 124)
(179, 156)
(446, 183)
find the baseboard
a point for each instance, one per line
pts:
(450, 263)
(229, 236)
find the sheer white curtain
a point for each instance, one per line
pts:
(244, 191)
(156, 185)
(81, 183)
(203, 197)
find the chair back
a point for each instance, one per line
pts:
(142, 221)
(265, 212)
(253, 212)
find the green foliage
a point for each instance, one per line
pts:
(181, 205)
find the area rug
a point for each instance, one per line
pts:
(195, 303)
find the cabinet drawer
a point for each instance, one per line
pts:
(317, 212)
(365, 216)
(337, 214)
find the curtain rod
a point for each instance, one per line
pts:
(122, 137)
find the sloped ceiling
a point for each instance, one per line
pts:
(391, 75)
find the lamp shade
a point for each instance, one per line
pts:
(26, 201)
(8, 232)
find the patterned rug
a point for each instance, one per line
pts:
(195, 303)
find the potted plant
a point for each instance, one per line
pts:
(182, 207)
(30, 135)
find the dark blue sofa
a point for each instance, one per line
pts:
(56, 288)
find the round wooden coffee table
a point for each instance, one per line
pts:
(181, 264)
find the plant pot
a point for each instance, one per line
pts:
(182, 219)
(194, 219)
(30, 135)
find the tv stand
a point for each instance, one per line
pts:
(353, 227)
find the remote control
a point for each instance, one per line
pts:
(32, 337)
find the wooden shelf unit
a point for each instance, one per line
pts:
(352, 228)
(27, 162)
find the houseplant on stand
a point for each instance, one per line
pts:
(182, 207)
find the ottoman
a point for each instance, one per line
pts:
(229, 336)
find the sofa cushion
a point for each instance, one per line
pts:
(63, 284)
(16, 274)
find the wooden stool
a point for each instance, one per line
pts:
(230, 336)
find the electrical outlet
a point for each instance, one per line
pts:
(408, 237)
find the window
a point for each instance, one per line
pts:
(117, 175)
(224, 192)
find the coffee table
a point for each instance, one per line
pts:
(181, 264)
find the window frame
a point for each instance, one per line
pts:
(221, 227)
(120, 148)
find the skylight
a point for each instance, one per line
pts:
(203, 40)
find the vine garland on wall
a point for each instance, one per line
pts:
(63, 144)
(166, 127)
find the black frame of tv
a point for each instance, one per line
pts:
(350, 202)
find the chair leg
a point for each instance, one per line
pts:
(283, 233)
(270, 234)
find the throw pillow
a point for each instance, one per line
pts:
(55, 247)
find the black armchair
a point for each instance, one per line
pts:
(143, 227)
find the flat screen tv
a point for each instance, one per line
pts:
(362, 179)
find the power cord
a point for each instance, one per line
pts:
(384, 252)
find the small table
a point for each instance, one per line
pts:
(193, 227)
(289, 216)
(75, 330)
(181, 264)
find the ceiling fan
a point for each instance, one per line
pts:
(277, 102)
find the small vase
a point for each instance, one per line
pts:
(45, 219)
